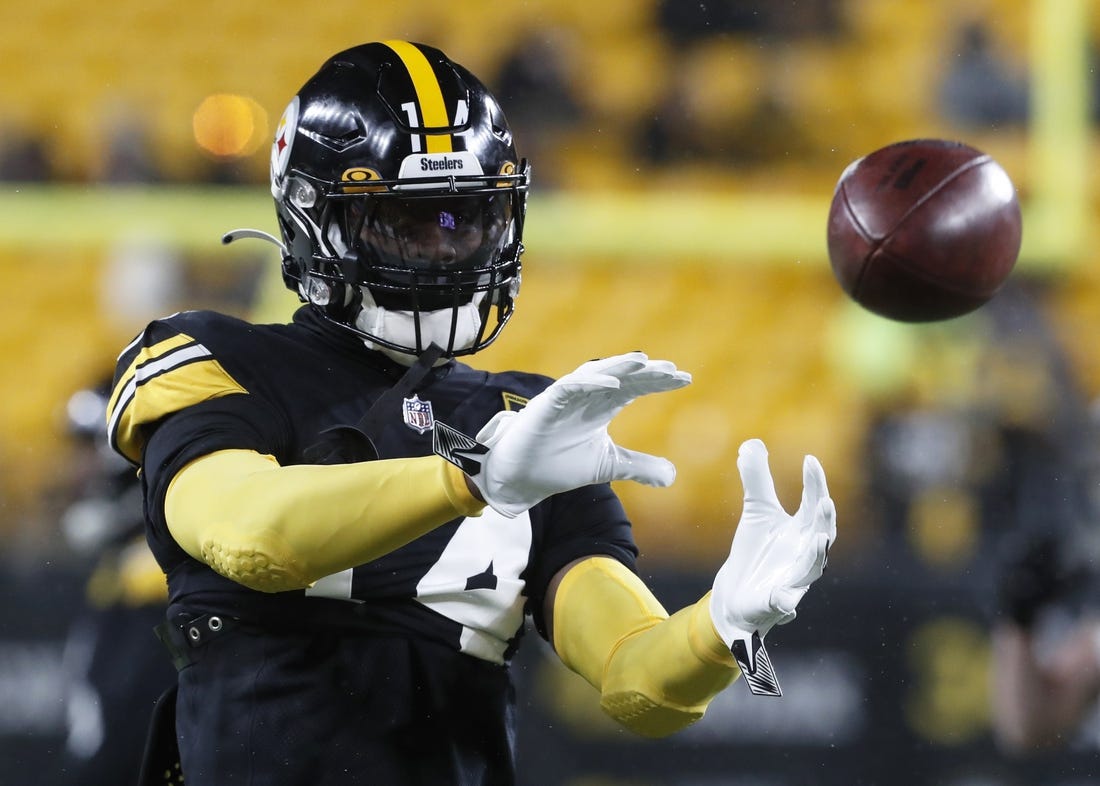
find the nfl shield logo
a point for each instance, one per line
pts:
(418, 414)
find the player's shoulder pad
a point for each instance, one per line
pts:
(168, 367)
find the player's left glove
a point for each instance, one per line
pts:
(774, 559)
(559, 441)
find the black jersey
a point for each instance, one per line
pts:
(197, 382)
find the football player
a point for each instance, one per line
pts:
(1046, 641)
(354, 522)
(115, 668)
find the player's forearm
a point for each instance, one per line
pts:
(656, 674)
(1017, 690)
(275, 528)
(1037, 702)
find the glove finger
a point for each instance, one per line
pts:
(614, 366)
(491, 432)
(644, 468)
(581, 384)
(756, 476)
(825, 519)
(601, 373)
(657, 376)
(661, 367)
(814, 486)
(570, 393)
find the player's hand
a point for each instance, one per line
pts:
(774, 559)
(559, 441)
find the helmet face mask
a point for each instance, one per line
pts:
(382, 212)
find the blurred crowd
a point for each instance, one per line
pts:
(732, 85)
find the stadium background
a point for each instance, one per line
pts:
(150, 123)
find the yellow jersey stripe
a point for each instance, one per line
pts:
(141, 357)
(173, 374)
(428, 94)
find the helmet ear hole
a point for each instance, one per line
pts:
(332, 297)
(317, 291)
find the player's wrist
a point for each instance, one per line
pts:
(703, 636)
(461, 491)
(729, 626)
(469, 457)
(471, 487)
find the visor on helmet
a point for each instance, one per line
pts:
(444, 247)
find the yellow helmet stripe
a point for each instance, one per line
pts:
(428, 94)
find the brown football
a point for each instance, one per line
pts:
(923, 230)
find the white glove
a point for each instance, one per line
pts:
(774, 559)
(559, 441)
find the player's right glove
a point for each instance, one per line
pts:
(773, 560)
(559, 441)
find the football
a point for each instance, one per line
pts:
(923, 230)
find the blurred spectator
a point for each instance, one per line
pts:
(535, 82)
(982, 88)
(1029, 401)
(1046, 642)
(115, 666)
(127, 143)
(990, 479)
(986, 441)
(129, 157)
(1046, 635)
(142, 276)
(24, 158)
(685, 22)
(223, 172)
(723, 107)
(1038, 501)
(535, 86)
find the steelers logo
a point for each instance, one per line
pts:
(284, 139)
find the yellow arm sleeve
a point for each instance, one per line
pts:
(656, 674)
(275, 528)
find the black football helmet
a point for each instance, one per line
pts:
(400, 200)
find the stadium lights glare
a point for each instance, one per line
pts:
(230, 126)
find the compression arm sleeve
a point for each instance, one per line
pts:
(656, 674)
(275, 528)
